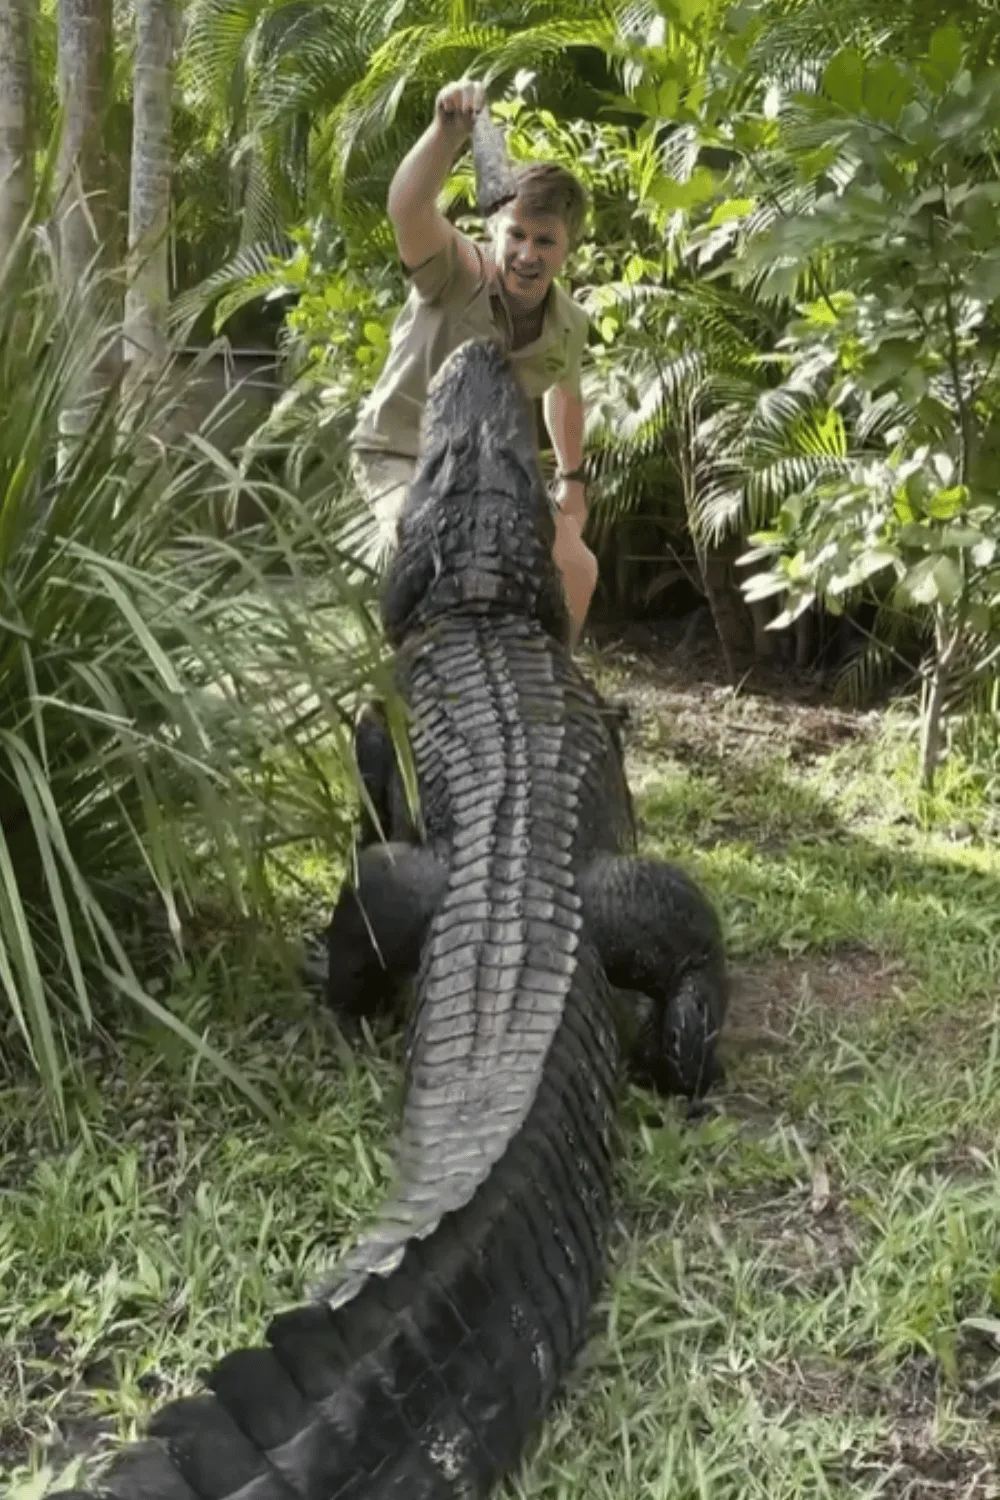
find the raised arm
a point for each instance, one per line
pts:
(420, 227)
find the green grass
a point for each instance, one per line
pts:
(804, 1299)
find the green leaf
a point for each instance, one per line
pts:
(984, 278)
(764, 585)
(732, 208)
(798, 604)
(869, 562)
(659, 99)
(754, 133)
(934, 580)
(886, 90)
(872, 561)
(913, 384)
(919, 583)
(684, 12)
(947, 502)
(892, 358)
(962, 537)
(672, 195)
(811, 165)
(843, 80)
(948, 576)
(50, 841)
(912, 534)
(17, 940)
(945, 52)
(978, 209)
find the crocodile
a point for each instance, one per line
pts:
(515, 904)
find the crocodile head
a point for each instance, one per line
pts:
(477, 529)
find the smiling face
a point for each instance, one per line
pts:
(530, 250)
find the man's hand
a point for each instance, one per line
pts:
(421, 230)
(457, 105)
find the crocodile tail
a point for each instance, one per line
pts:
(428, 1381)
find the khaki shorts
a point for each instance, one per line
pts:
(383, 479)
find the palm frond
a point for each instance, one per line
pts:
(254, 271)
(893, 635)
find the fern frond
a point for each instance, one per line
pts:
(257, 265)
(894, 633)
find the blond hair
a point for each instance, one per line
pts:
(544, 187)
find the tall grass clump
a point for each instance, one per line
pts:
(155, 668)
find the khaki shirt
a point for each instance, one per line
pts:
(447, 305)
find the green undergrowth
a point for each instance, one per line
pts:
(804, 1298)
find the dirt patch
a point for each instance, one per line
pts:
(680, 701)
(80, 1435)
(848, 980)
(920, 1470)
(56, 1397)
(912, 1463)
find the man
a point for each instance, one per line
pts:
(503, 290)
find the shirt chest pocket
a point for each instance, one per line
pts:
(475, 320)
(545, 367)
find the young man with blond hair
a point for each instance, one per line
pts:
(504, 290)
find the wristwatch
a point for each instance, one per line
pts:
(578, 475)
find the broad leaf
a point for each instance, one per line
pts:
(945, 52)
(843, 79)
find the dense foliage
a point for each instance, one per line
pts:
(893, 359)
(792, 280)
(154, 672)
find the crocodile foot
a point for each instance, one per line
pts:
(658, 936)
(378, 927)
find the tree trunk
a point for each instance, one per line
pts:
(83, 208)
(729, 612)
(148, 295)
(933, 698)
(86, 39)
(765, 642)
(805, 636)
(16, 137)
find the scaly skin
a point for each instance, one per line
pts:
(420, 1369)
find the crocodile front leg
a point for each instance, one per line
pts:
(379, 924)
(376, 765)
(657, 934)
(384, 813)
